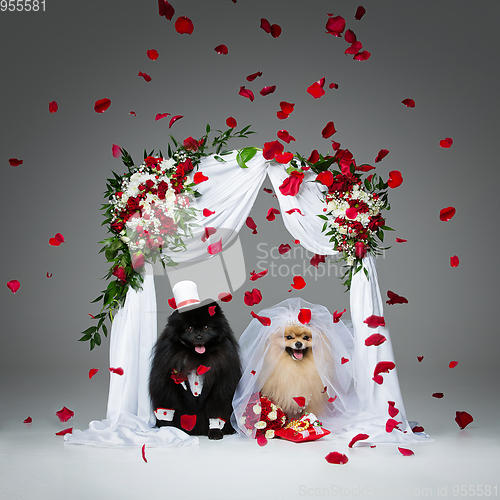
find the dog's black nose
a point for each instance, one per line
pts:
(298, 345)
(199, 337)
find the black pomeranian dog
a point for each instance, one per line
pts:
(195, 370)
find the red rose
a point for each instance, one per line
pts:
(138, 262)
(120, 273)
(376, 222)
(360, 249)
(132, 204)
(168, 226)
(162, 189)
(191, 144)
(151, 161)
(117, 226)
(291, 184)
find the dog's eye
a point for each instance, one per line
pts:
(205, 328)
(305, 338)
(289, 337)
(190, 329)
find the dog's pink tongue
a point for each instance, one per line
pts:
(200, 349)
(298, 354)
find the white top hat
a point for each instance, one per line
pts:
(186, 294)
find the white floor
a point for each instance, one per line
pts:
(36, 464)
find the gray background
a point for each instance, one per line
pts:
(442, 54)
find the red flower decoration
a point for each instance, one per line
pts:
(304, 316)
(392, 410)
(360, 249)
(395, 179)
(445, 214)
(14, 162)
(116, 150)
(268, 90)
(271, 214)
(360, 12)
(400, 240)
(356, 438)
(225, 297)
(188, 422)
(405, 452)
(394, 298)
(463, 419)
(251, 224)
(336, 458)
(152, 54)
(253, 76)
(316, 89)
(317, 259)
(184, 25)
(246, 93)
(102, 105)
(69, 430)
(438, 395)
(174, 119)
(283, 249)
(446, 143)
(165, 9)
(375, 339)
(221, 49)
(145, 76)
(261, 440)
(92, 372)
(255, 276)
(335, 25)
(27, 420)
(13, 285)
(253, 297)
(198, 178)
(211, 310)
(337, 316)
(231, 122)
(144, 453)
(215, 248)
(285, 136)
(351, 213)
(263, 319)
(298, 283)
(202, 369)
(454, 261)
(291, 184)
(53, 107)
(117, 371)
(64, 414)
(301, 401)
(271, 149)
(409, 103)
(329, 130)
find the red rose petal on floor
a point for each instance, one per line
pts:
(215, 248)
(418, 428)
(246, 93)
(400, 240)
(335, 25)
(207, 212)
(253, 297)
(343, 361)
(337, 316)
(53, 107)
(231, 122)
(92, 372)
(362, 56)
(317, 259)
(251, 224)
(394, 298)
(174, 119)
(300, 400)
(263, 319)
(144, 453)
(271, 214)
(102, 105)
(285, 136)
(261, 440)
(316, 89)
(375, 339)
(255, 276)
(446, 143)
(445, 214)
(184, 25)
(171, 303)
(253, 76)
(152, 54)
(27, 420)
(221, 49)
(117, 371)
(13, 285)
(420, 358)
(463, 419)
(356, 438)
(64, 414)
(283, 158)
(69, 430)
(392, 410)
(351, 213)
(336, 458)
(438, 395)
(165, 9)
(282, 249)
(453, 364)
(160, 116)
(49, 275)
(405, 451)
(409, 103)
(188, 422)
(298, 283)
(329, 130)
(225, 297)
(268, 90)
(395, 179)
(14, 162)
(116, 151)
(454, 261)
(381, 155)
(211, 310)
(304, 316)
(198, 178)
(391, 424)
(202, 369)
(360, 12)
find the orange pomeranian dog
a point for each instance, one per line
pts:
(295, 373)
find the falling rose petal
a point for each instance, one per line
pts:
(64, 414)
(132, 113)
(116, 151)
(207, 212)
(405, 452)
(281, 115)
(202, 369)
(329, 130)
(304, 316)
(287, 107)
(188, 422)
(255, 276)
(293, 210)
(283, 249)
(337, 316)
(165, 9)
(454, 261)
(102, 105)
(69, 430)
(171, 303)
(253, 76)
(13, 285)
(275, 30)
(378, 379)
(251, 224)
(53, 107)
(300, 400)
(391, 424)
(409, 103)
(198, 178)
(362, 56)
(445, 214)
(221, 49)
(418, 428)
(92, 372)
(463, 419)
(333, 86)
(49, 275)
(375, 339)
(285, 136)
(446, 143)
(381, 155)
(59, 237)
(324, 390)
(400, 240)
(326, 178)
(331, 400)
(297, 242)
(117, 371)
(14, 162)
(350, 36)
(152, 54)
(211, 310)
(351, 213)
(215, 247)
(174, 119)
(271, 149)
(160, 116)
(335, 145)
(392, 410)
(360, 12)
(265, 25)
(261, 440)
(283, 158)
(394, 298)
(253, 372)
(356, 438)
(144, 453)
(354, 48)
(184, 25)
(207, 233)
(335, 25)
(225, 297)
(343, 361)
(263, 319)
(364, 168)
(231, 122)
(313, 157)
(246, 93)
(253, 297)
(336, 458)
(268, 90)
(395, 179)
(298, 283)
(271, 214)
(438, 395)
(374, 321)
(317, 259)
(316, 89)
(453, 364)
(291, 184)
(27, 420)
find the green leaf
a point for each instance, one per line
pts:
(97, 339)
(244, 155)
(85, 338)
(90, 330)
(92, 344)
(207, 128)
(96, 300)
(105, 330)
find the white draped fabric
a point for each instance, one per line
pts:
(230, 193)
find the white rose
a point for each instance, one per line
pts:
(260, 424)
(269, 434)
